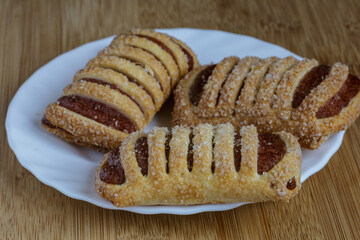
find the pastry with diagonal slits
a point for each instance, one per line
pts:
(310, 100)
(209, 164)
(120, 90)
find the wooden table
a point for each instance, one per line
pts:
(34, 32)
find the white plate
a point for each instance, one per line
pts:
(71, 169)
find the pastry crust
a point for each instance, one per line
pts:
(211, 146)
(177, 53)
(144, 43)
(81, 130)
(136, 93)
(126, 83)
(72, 139)
(262, 92)
(151, 65)
(189, 52)
(172, 53)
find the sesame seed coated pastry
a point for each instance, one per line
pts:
(209, 164)
(120, 90)
(310, 100)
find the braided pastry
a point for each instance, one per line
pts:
(308, 99)
(120, 90)
(207, 165)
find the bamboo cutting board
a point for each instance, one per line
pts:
(34, 32)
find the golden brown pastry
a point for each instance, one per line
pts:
(207, 165)
(308, 99)
(120, 90)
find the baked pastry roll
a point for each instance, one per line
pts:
(120, 90)
(308, 99)
(206, 165)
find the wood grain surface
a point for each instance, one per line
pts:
(34, 32)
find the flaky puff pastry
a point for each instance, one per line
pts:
(308, 99)
(120, 90)
(209, 164)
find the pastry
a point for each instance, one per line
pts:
(305, 98)
(120, 90)
(209, 164)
